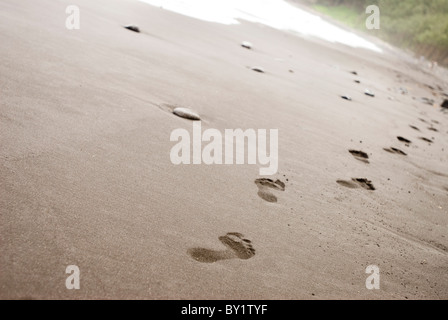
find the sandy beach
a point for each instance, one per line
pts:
(86, 177)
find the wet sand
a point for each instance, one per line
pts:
(86, 177)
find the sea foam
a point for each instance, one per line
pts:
(277, 14)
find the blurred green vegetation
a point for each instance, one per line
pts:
(419, 25)
(345, 14)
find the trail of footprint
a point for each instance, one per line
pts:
(357, 183)
(264, 187)
(360, 155)
(237, 247)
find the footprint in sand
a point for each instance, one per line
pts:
(395, 150)
(426, 139)
(406, 141)
(266, 185)
(360, 155)
(414, 127)
(237, 247)
(357, 183)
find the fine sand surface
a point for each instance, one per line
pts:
(86, 177)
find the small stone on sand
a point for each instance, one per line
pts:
(369, 93)
(132, 27)
(346, 98)
(246, 44)
(186, 113)
(258, 69)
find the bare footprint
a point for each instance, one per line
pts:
(237, 247)
(360, 155)
(264, 188)
(357, 183)
(404, 140)
(426, 139)
(395, 150)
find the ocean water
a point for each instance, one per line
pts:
(274, 13)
